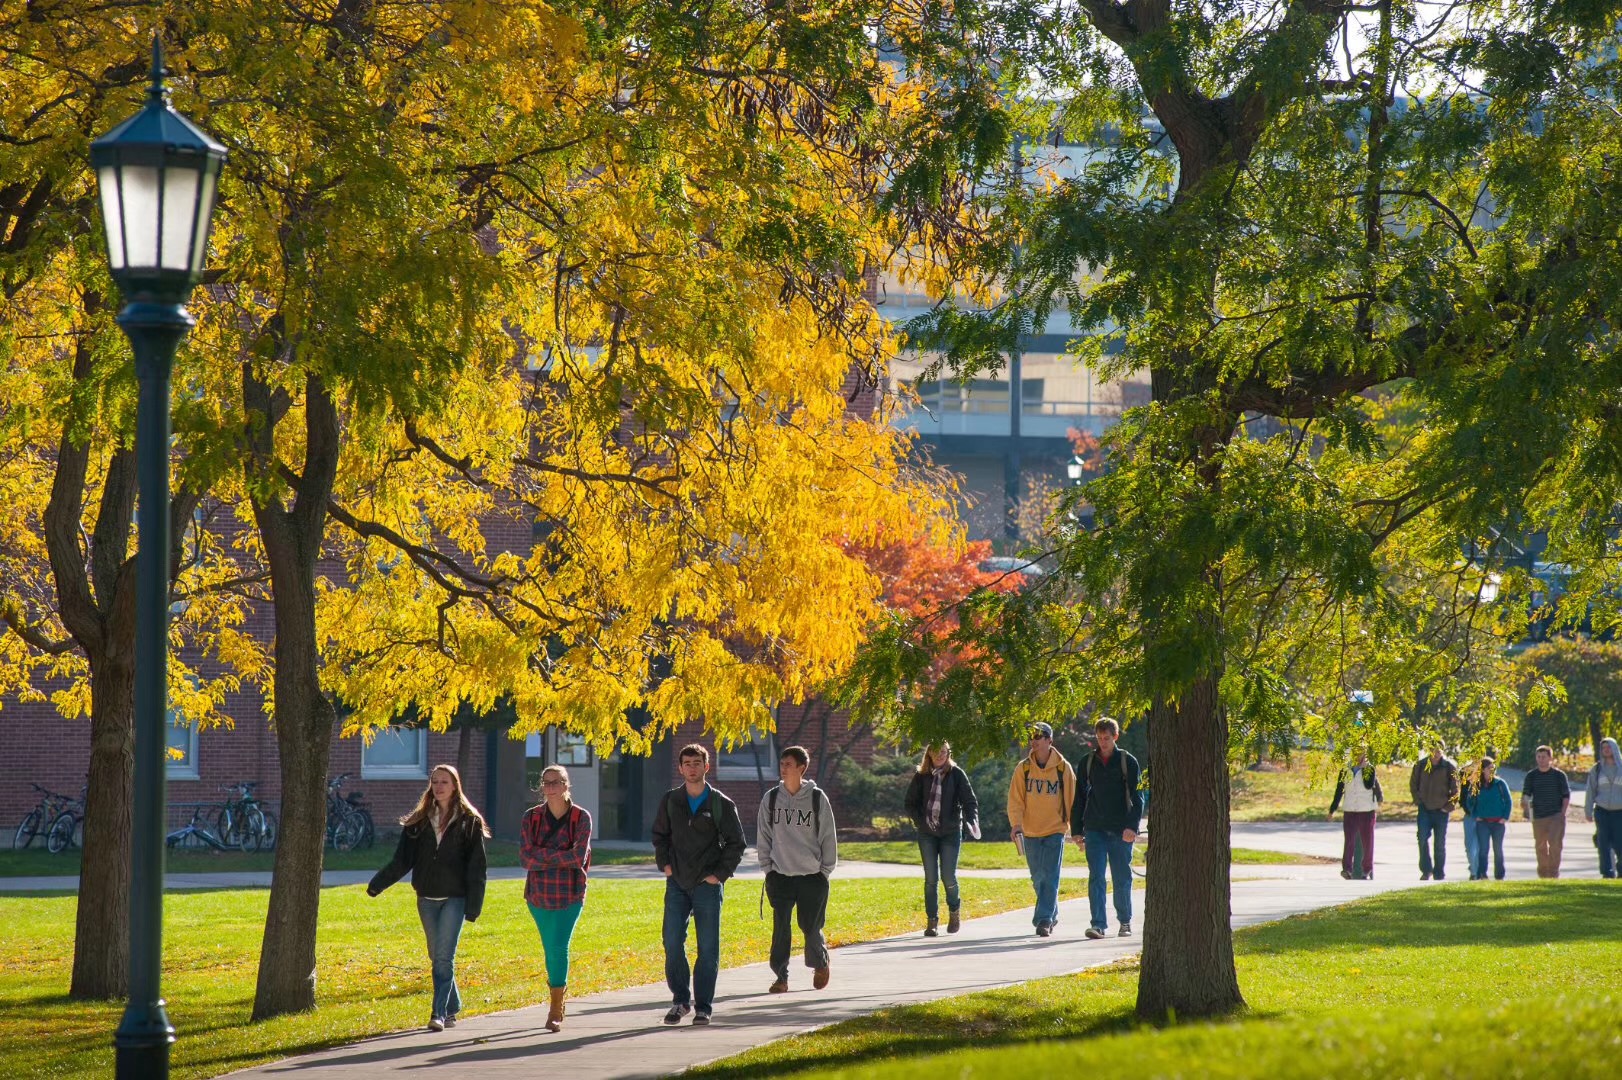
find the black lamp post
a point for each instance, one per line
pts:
(157, 173)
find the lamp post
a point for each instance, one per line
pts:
(157, 174)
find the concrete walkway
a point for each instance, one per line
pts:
(1396, 847)
(619, 1034)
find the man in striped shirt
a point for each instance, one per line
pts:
(1545, 797)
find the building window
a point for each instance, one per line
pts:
(573, 750)
(396, 753)
(180, 736)
(753, 759)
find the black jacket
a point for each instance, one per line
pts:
(958, 804)
(1107, 793)
(695, 846)
(454, 866)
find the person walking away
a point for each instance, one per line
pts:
(798, 849)
(1603, 806)
(442, 847)
(1110, 808)
(941, 801)
(1545, 797)
(697, 843)
(1492, 806)
(1434, 785)
(1469, 785)
(1039, 796)
(555, 848)
(1358, 797)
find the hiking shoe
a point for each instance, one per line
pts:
(1125, 930)
(819, 978)
(1425, 875)
(1044, 929)
(436, 1023)
(1439, 876)
(1094, 933)
(450, 1021)
(778, 987)
(1347, 874)
(701, 1018)
(953, 922)
(677, 1011)
(933, 929)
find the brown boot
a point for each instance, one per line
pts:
(953, 923)
(933, 929)
(554, 1015)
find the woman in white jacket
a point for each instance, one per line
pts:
(1358, 796)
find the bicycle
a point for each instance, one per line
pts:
(242, 822)
(58, 818)
(194, 830)
(349, 821)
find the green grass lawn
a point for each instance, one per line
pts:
(372, 974)
(1000, 855)
(1466, 981)
(37, 862)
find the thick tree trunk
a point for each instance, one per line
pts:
(1187, 968)
(101, 942)
(304, 724)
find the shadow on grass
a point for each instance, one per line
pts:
(1501, 914)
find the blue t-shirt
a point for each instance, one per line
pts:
(693, 803)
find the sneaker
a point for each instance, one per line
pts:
(1425, 876)
(701, 1019)
(450, 1021)
(778, 987)
(953, 922)
(1347, 874)
(1125, 930)
(1440, 876)
(677, 1011)
(1094, 933)
(1044, 929)
(436, 1023)
(819, 978)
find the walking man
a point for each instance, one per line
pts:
(797, 848)
(1109, 807)
(1039, 796)
(1358, 797)
(1603, 806)
(698, 843)
(1545, 797)
(1434, 785)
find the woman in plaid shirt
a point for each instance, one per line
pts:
(556, 850)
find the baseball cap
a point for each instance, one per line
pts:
(1044, 730)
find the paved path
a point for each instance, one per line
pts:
(619, 1034)
(1396, 847)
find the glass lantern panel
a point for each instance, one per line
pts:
(111, 214)
(179, 216)
(140, 191)
(205, 213)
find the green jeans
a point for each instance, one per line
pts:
(557, 928)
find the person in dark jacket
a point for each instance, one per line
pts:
(556, 850)
(442, 848)
(698, 843)
(1359, 796)
(942, 804)
(1110, 809)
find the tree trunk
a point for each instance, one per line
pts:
(304, 724)
(101, 941)
(1188, 969)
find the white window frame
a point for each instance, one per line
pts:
(186, 768)
(767, 741)
(418, 771)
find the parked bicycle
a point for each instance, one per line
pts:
(242, 822)
(59, 819)
(349, 820)
(195, 832)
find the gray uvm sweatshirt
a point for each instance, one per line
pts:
(791, 839)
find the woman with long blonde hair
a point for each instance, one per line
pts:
(442, 847)
(942, 803)
(556, 849)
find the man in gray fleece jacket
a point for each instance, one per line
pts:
(797, 848)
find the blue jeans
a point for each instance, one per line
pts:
(1433, 831)
(1608, 835)
(1044, 855)
(940, 866)
(1488, 833)
(1107, 848)
(1470, 842)
(703, 906)
(442, 924)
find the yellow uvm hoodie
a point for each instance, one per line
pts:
(1039, 797)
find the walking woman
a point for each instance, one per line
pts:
(942, 805)
(442, 848)
(1358, 794)
(556, 850)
